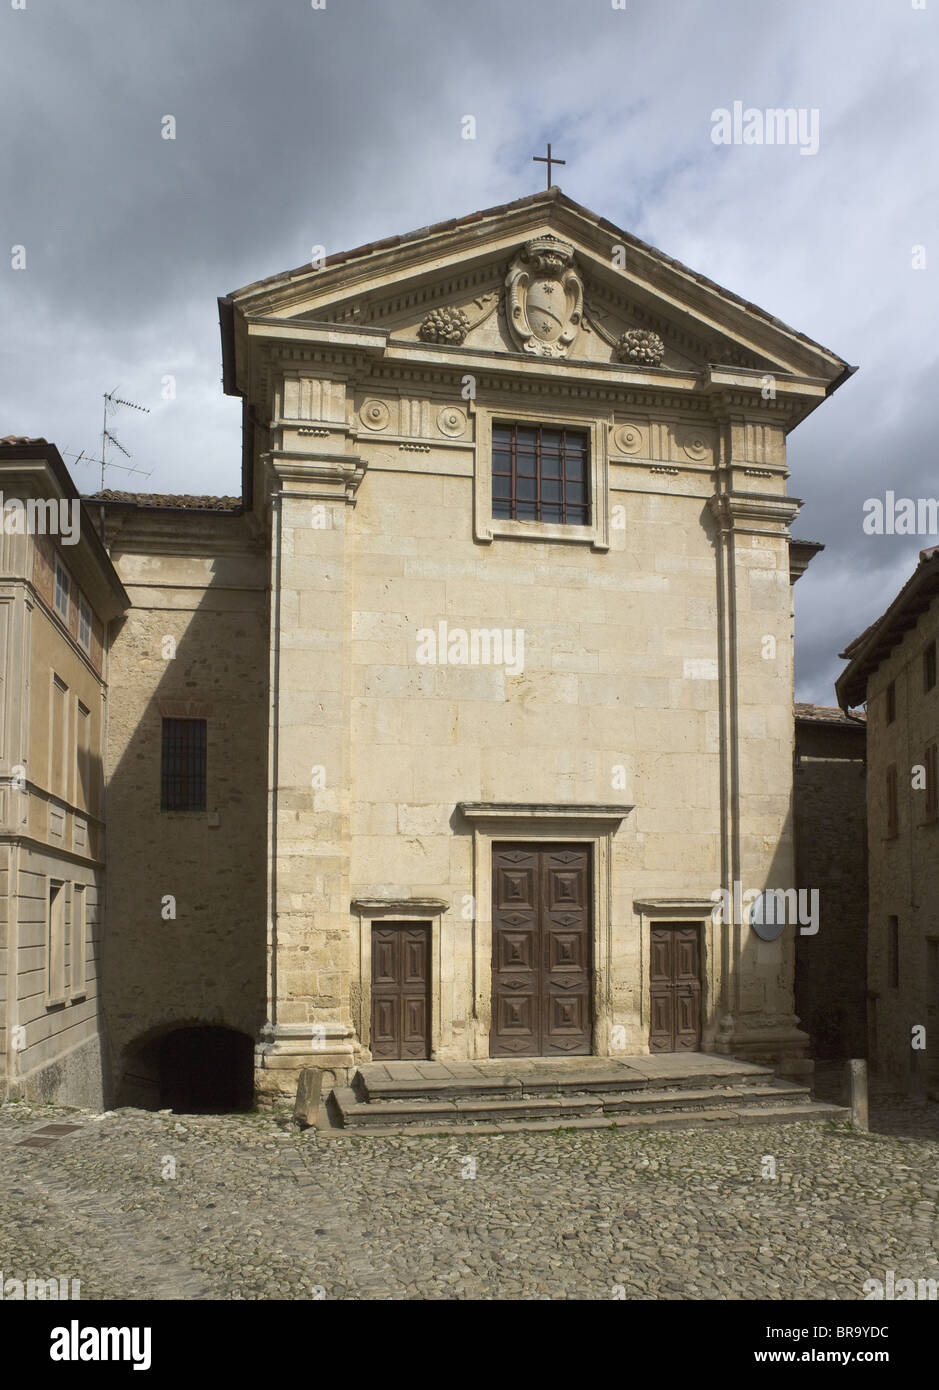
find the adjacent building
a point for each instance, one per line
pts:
(892, 671)
(830, 807)
(59, 593)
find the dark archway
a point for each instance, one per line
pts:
(194, 1070)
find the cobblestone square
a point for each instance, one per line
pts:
(257, 1210)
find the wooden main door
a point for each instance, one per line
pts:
(541, 950)
(675, 983)
(400, 990)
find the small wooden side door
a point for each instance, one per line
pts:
(675, 987)
(400, 991)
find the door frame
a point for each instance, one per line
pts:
(544, 824)
(424, 912)
(655, 912)
(675, 923)
(424, 926)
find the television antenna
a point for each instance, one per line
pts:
(112, 402)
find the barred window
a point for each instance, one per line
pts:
(540, 474)
(183, 771)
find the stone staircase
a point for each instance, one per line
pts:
(499, 1094)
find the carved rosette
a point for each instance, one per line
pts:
(694, 442)
(545, 297)
(451, 421)
(375, 415)
(641, 346)
(444, 325)
(627, 439)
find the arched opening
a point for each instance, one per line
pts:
(193, 1070)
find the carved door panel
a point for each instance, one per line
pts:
(400, 991)
(675, 987)
(541, 952)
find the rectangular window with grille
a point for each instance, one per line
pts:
(184, 765)
(540, 474)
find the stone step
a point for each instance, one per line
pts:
(784, 1093)
(554, 1111)
(371, 1087)
(437, 1117)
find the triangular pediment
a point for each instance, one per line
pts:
(538, 277)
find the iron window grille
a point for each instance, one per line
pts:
(184, 765)
(540, 474)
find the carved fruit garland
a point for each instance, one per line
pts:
(641, 346)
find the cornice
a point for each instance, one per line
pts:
(738, 511)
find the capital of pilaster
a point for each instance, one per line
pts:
(754, 512)
(328, 477)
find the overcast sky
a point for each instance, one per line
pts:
(297, 126)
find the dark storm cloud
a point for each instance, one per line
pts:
(298, 126)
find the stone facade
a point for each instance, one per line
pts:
(891, 672)
(831, 859)
(651, 719)
(57, 598)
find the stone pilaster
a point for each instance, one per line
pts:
(310, 947)
(756, 1017)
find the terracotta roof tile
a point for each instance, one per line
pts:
(175, 501)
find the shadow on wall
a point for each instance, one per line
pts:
(196, 1070)
(185, 943)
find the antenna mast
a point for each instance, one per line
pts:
(111, 402)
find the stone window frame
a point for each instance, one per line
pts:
(65, 589)
(593, 826)
(78, 950)
(426, 911)
(486, 527)
(84, 624)
(56, 937)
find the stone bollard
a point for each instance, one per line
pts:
(856, 1071)
(309, 1090)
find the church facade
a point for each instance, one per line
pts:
(447, 738)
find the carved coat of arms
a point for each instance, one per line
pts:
(545, 297)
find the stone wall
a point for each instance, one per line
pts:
(831, 857)
(186, 939)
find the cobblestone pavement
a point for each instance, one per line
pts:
(258, 1211)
